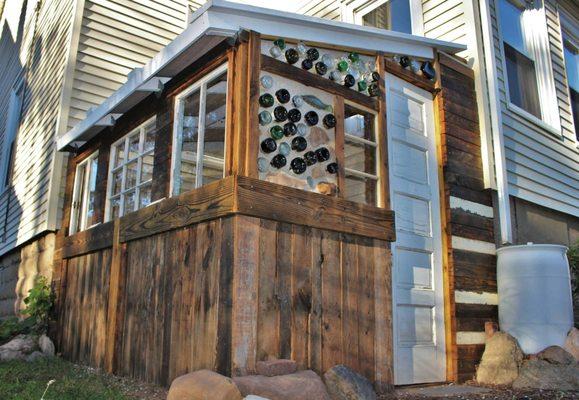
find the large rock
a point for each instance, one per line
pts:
(46, 345)
(556, 355)
(35, 355)
(276, 367)
(18, 348)
(203, 385)
(572, 343)
(303, 385)
(540, 374)
(344, 384)
(500, 361)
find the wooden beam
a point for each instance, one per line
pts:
(382, 138)
(339, 113)
(93, 239)
(409, 76)
(252, 127)
(304, 77)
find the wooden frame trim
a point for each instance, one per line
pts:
(409, 76)
(307, 78)
(96, 238)
(382, 137)
(256, 198)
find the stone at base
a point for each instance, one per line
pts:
(303, 385)
(46, 345)
(344, 384)
(556, 355)
(500, 361)
(203, 385)
(540, 374)
(276, 367)
(37, 355)
(254, 397)
(572, 343)
(23, 343)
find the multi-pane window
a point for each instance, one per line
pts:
(360, 156)
(394, 15)
(131, 171)
(84, 194)
(519, 58)
(199, 136)
(571, 51)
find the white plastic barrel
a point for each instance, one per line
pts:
(534, 292)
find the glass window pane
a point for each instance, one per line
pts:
(119, 154)
(131, 175)
(145, 195)
(522, 81)
(115, 205)
(360, 155)
(393, 15)
(189, 141)
(117, 178)
(129, 205)
(78, 196)
(360, 190)
(150, 135)
(571, 64)
(147, 167)
(134, 146)
(88, 221)
(511, 28)
(214, 144)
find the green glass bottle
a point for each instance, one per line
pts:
(266, 100)
(276, 132)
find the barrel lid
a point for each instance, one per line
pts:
(533, 246)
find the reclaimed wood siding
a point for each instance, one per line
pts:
(316, 303)
(470, 224)
(226, 293)
(84, 314)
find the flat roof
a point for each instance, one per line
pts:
(218, 21)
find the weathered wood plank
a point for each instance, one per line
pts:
(283, 288)
(97, 238)
(280, 203)
(301, 295)
(409, 76)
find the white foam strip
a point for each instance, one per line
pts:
(470, 338)
(472, 207)
(476, 298)
(478, 246)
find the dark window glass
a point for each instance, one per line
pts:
(393, 15)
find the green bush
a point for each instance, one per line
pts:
(39, 303)
(573, 255)
(12, 326)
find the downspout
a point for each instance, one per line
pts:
(500, 165)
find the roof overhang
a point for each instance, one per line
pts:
(218, 21)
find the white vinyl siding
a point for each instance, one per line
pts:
(117, 36)
(40, 49)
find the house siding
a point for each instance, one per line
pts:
(41, 57)
(542, 167)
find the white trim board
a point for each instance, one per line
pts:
(466, 338)
(465, 297)
(477, 246)
(472, 207)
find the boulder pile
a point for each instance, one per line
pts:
(27, 347)
(554, 368)
(276, 380)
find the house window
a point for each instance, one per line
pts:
(360, 156)
(393, 15)
(199, 134)
(131, 171)
(571, 52)
(11, 133)
(527, 61)
(84, 194)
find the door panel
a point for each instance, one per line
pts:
(419, 348)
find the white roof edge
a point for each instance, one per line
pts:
(224, 18)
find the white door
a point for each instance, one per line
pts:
(419, 351)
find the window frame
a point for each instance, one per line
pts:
(549, 120)
(11, 132)
(139, 130)
(376, 144)
(569, 33)
(356, 15)
(78, 219)
(201, 85)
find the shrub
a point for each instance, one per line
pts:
(573, 255)
(39, 303)
(12, 326)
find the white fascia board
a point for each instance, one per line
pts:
(228, 15)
